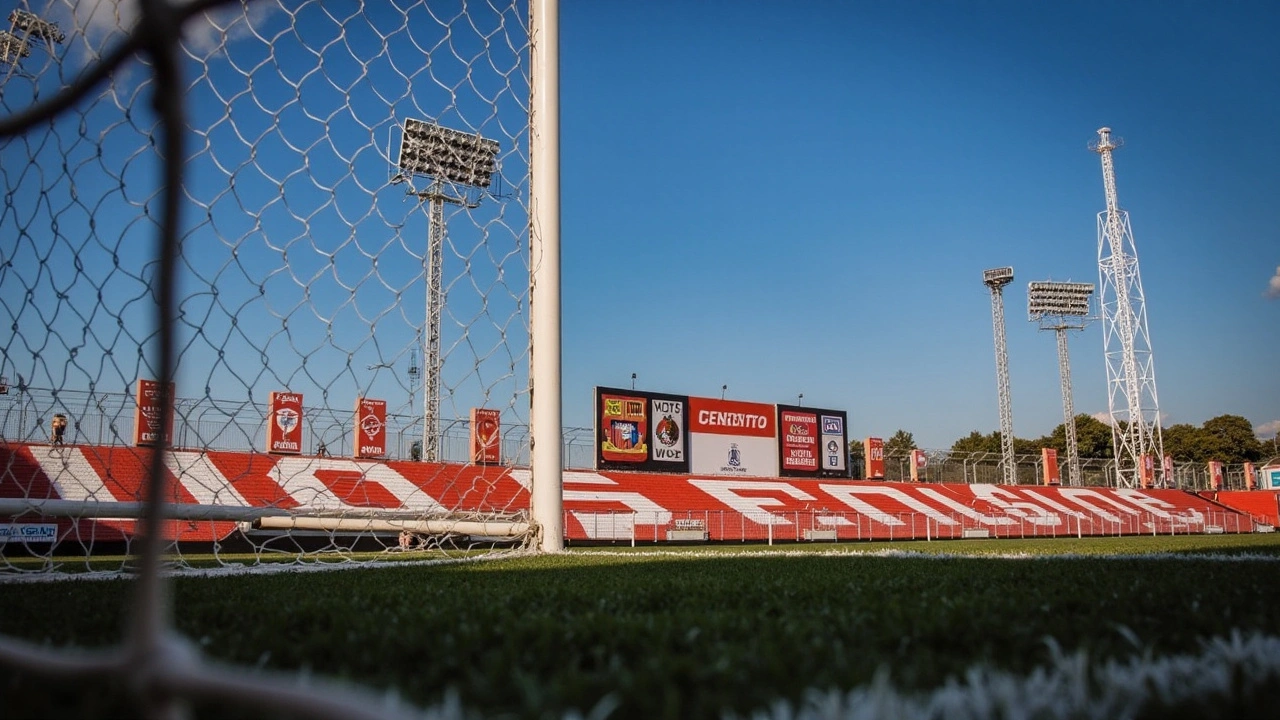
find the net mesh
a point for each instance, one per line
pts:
(313, 262)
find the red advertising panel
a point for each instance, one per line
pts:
(1169, 479)
(486, 436)
(1215, 475)
(371, 428)
(919, 461)
(146, 414)
(873, 454)
(798, 434)
(1049, 458)
(730, 437)
(1250, 477)
(284, 423)
(1146, 471)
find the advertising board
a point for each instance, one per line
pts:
(732, 437)
(811, 442)
(371, 428)
(637, 430)
(147, 414)
(873, 456)
(284, 423)
(919, 461)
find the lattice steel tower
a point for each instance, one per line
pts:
(1126, 343)
(996, 279)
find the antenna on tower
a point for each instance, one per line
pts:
(1126, 343)
(995, 279)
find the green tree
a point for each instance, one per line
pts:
(976, 442)
(900, 444)
(1230, 438)
(1093, 438)
(1184, 442)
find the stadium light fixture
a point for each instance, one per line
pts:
(34, 26)
(13, 48)
(454, 160)
(1062, 306)
(633, 381)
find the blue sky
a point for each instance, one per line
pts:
(801, 197)
(782, 198)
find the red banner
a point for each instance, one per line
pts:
(919, 461)
(1168, 471)
(1049, 458)
(486, 436)
(284, 423)
(371, 428)
(1215, 475)
(799, 434)
(873, 454)
(1250, 477)
(147, 413)
(1146, 471)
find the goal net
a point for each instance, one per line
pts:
(349, 331)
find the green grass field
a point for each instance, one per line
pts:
(695, 633)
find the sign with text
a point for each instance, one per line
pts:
(371, 428)
(486, 436)
(147, 414)
(811, 442)
(1049, 459)
(731, 437)
(873, 457)
(284, 423)
(637, 430)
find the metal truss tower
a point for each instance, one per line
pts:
(996, 279)
(1131, 379)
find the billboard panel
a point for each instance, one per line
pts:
(835, 444)
(1215, 475)
(811, 442)
(638, 430)
(731, 437)
(1250, 477)
(873, 454)
(284, 423)
(371, 428)
(486, 436)
(146, 414)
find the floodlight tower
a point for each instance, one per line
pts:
(453, 161)
(1061, 307)
(1131, 379)
(24, 26)
(996, 279)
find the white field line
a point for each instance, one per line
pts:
(1070, 687)
(1173, 556)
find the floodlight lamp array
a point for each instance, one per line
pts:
(35, 26)
(446, 154)
(997, 277)
(1058, 299)
(13, 48)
